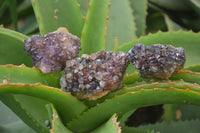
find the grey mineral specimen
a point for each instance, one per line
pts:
(91, 74)
(157, 61)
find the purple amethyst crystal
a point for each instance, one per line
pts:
(50, 52)
(93, 74)
(157, 61)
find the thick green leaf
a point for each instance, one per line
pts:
(84, 6)
(195, 68)
(155, 22)
(57, 125)
(25, 9)
(143, 85)
(29, 119)
(22, 74)
(195, 4)
(13, 12)
(3, 6)
(11, 48)
(174, 112)
(135, 130)
(93, 34)
(10, 74)
(134, 98)
(178, 5)
(139, 12)
(10, 123)
(111, 126)
(16, 127)
(188, 76)
(188, 40)
(121, 23)
(168, 112)
(64, 102)
(132, 78)
(29, 26)
(124, 117)
(171, 24)
(7, 115)
(175, 127)
(58, 13)
(126, 129)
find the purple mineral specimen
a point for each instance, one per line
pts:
(50, 52)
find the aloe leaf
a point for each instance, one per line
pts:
(64, 102)
(29, 26)
(7, 115)
(84, 6)
(111, 126)
(21, 74)
(195, 4)
(10, 123)
(132, 100)
(25, 9)
(3, 6)
(188, 40)
(168, 112)
(139, 11)
(17, 108)
(175, 127)
(143, 85)
(174, 112)
(178, 5)
(188, 76)
(171, 24)
(121, 23)
(132, 78)
(125, 116)
(9, 120)
(135, 130)
(195, 68)
(29, 109)
(155, 22)
(93, 34)
(10, 74)
(54, 14)
(11, 48)
(57, 125)
(16, 127)
(13, 12)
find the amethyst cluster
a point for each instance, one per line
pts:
(157, 61)
(98, 73)
(50, 52)
(101, 72)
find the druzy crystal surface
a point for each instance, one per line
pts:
(50, 52)
(92, 74)
(157, 61)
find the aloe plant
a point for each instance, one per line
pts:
(38, 103)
